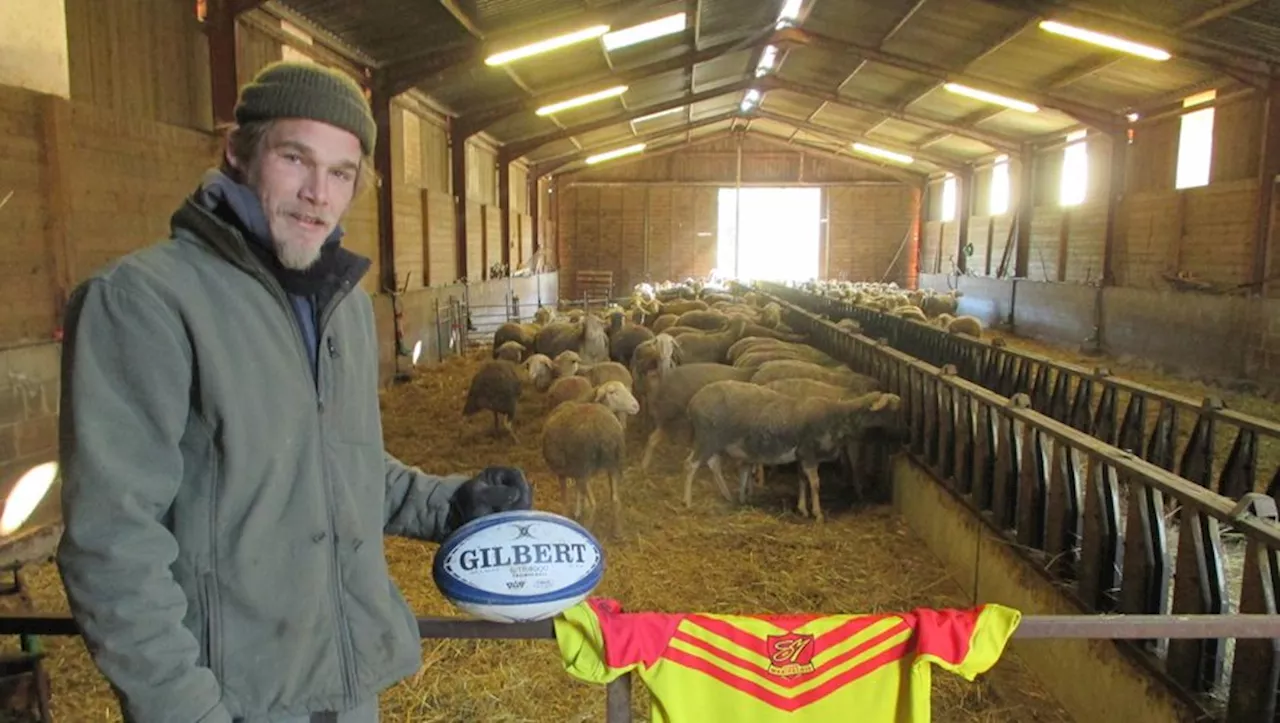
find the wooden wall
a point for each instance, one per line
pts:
(1207, 232)
(656, 218)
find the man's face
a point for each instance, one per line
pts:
(305, 177)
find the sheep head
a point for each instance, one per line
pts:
(567, 364)
(540, 370)
(543, 316)
(668, 351)
(615, 397)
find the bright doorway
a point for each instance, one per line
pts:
(778, 240)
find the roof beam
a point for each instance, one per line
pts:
(480, 120)
(846, 137)
(1245, 64)
(1227, 8)
(913, 178)
(1097, 117)
(551, 165)
(994, 140)
(431, 66)
(519, 148)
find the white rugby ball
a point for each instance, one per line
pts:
(518, 566)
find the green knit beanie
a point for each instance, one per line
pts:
(305, 90)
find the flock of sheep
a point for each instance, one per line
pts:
(924, 306)
(695, 363)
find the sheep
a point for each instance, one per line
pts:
(652, 360)
(750, 343)
(495, 388)
(606, 372)
(663, 322)
(756, 358)
(968, 325)
(623, 343)
(523, 334)
(567, 364)
(939, 304)
(567, 389)
(704, 320)
(666, 400)
(582, 438)
(912, 313)
(511, 351)
(710, 347)
(540, 370)
(779, 333)
(849, 325)
(757, 425)
(942, 321)
(794, 369)
(586, 337)
(543, 316)
(682, 306)
(797, 387)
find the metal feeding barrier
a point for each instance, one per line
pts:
(1088, 515)
(1114, 410)
(1091, 518)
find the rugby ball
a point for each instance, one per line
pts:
(518, 566)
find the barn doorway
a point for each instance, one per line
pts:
(778, 240)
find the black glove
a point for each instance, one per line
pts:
(495, 489)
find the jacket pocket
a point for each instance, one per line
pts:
(210, 644)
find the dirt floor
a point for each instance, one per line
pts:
(713, 558)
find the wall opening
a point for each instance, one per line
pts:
(779, 235)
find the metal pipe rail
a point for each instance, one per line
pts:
(1117, 411)
(618, 692)
(1091, 518)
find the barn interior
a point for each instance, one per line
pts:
(1092, 182)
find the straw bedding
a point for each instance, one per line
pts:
(713, 558)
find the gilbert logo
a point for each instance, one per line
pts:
(790, 655)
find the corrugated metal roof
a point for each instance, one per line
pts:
(975, 38)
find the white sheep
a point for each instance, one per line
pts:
(759, 426)
(581, 439)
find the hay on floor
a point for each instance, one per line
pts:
(716, 557)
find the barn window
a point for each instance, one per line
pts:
(999, 199)
(949, 199)
(1195, 142)
(1075, 170)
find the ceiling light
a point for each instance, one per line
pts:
(610, 155)
(659, 114)
(790, 11)
(1133, 117)
(882, 153)
(543, 46)
(1106, 41)
(645, 31)
(750, 99)
(965, 90)
(767, 58)
(613, 92)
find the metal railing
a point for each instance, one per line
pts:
(1219, 449)
(1092, 518)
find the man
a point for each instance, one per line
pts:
(225, 486)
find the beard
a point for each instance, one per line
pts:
(296, 255)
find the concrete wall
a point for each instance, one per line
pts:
(1227, 337)
(1092, 679)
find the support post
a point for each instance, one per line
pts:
(380, 101)
(220, 27)
(504, 204)
(737, 209)
(1269, 168)
(1115, 204)
(531, 192)
(1026, 207)
(965, 187)
(458, 158)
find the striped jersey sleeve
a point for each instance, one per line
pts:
(774, 668)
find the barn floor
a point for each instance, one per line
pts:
(714, 558)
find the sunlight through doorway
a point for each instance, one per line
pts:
(779, 234)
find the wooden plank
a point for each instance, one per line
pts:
(59, 169)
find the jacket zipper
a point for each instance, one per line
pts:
(347, 655)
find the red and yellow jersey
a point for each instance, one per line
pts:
(703, 668)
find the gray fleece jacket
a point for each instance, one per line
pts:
(225, 508)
